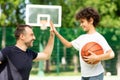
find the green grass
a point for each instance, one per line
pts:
(69, 71)
(62, 74)
(55, 73)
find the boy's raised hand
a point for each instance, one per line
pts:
(52, 27)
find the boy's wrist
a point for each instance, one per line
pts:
(56, 32)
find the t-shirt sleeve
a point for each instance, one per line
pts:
(33, 54)
(75, 44)
(104, 44)
(3, 54)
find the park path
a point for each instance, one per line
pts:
(69, 78)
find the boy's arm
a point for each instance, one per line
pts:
(93, 57)
(62, 39)
(108, 55)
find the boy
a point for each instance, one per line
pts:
(89, 18)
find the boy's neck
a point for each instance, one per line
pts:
(92, 30)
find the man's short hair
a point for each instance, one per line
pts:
(20, 29)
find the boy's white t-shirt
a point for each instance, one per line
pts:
(88, 70)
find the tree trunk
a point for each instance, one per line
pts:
(47, 63)
(3, 37)
(118, 64)
(63, 59)
(47, 67)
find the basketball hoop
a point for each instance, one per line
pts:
(43, 24)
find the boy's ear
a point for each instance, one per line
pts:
(91, 20)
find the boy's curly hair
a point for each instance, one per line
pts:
(88, 13)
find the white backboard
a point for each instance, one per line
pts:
(36, 13)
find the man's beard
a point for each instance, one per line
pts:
(29, 44)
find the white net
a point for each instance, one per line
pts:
(43, 24)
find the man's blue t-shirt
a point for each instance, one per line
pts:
(16, 63)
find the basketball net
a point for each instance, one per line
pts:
(43, 25)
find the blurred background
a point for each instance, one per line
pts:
(64, 61)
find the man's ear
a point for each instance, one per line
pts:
(21, 36)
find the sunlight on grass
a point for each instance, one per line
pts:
(63, 74)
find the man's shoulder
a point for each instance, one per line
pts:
(7, 49)
(30, 51)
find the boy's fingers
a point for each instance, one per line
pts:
(51, 23)
(91, 52)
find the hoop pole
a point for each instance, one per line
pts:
(58, 54)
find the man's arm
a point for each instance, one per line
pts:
(62, 39)
(48, 49)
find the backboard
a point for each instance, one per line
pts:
(36, 13)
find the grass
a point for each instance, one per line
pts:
(63, 74)
(68, 71)
(57, 73)
(67, 74)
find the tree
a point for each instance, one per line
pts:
(9, 10)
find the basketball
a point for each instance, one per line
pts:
(91, 46)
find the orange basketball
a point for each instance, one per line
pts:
(91, 46)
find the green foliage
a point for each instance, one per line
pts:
(8, 12)
(107, 10)
(3, 17)
(10, 39)
(13, 12)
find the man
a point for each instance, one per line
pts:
(16, 61)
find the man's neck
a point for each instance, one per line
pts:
(21, 46)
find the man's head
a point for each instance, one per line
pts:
(25, 35)
(88, 13)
